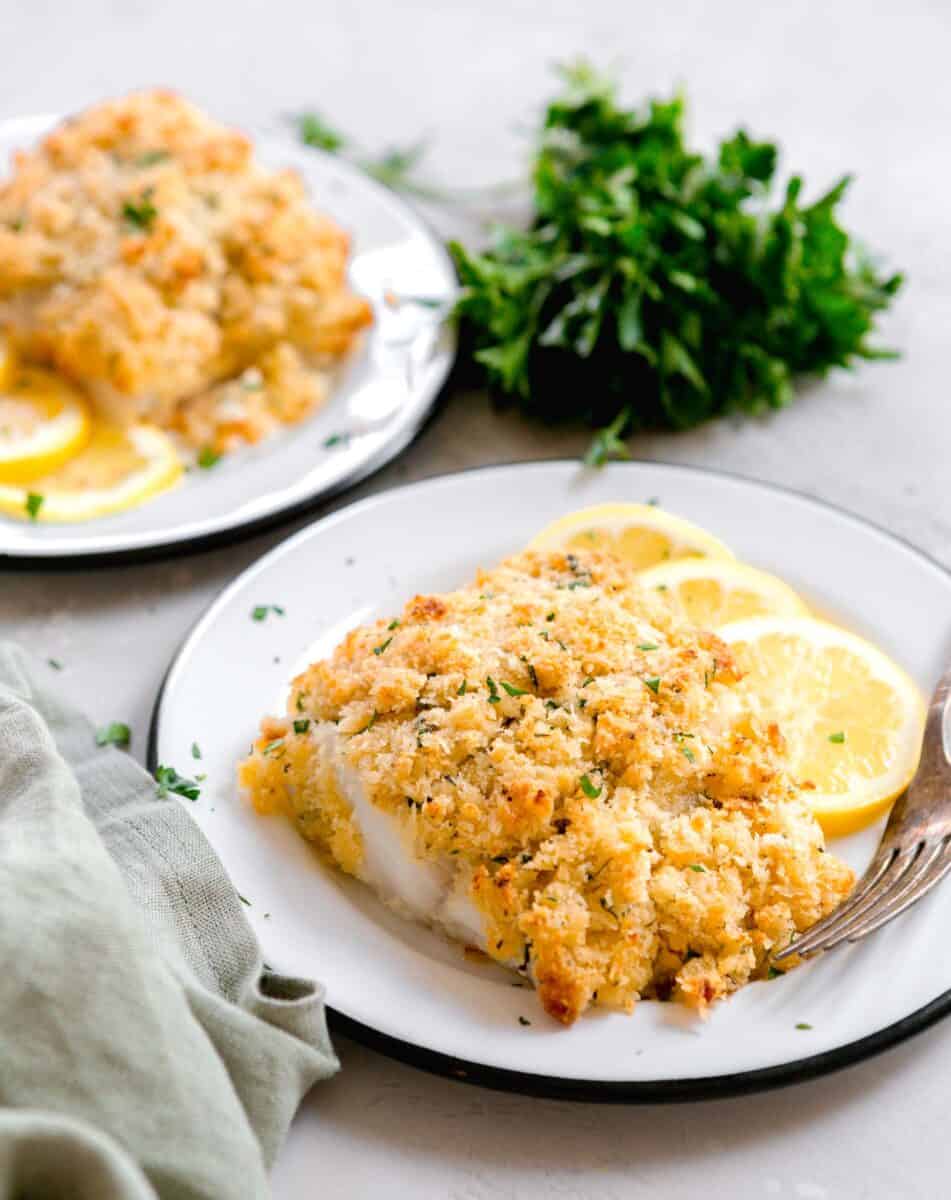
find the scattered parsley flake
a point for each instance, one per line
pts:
(196, 750)
(116, 733)
(207, 457)
(260, 611)
(302, 726)
(272, 747)
(378, 650)
(243, 899)
(653, 684)
(699, 868)
(140, 213)
(550, 617)
(688, 754)
(803, 1025)
(393, 625)
(314, 131)
(645, 646)
(151, 157)
(34, 502)
(169, 780)
(462, 688)
(494, 697)
(336, 439)
(774, 973)
(55, 664)
(513, 690)
(523, 1020)
(837, 738)
(589, 789)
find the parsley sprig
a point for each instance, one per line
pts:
(657, 287)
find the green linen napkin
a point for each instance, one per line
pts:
(144, 1049)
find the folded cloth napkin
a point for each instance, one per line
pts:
(145, 1051)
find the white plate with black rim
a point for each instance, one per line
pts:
(377, 407)
(408, 991)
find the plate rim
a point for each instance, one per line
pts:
(553, 1087)
(434, 394)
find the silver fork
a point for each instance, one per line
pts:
(915, 851)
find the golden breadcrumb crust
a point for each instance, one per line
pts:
(626, 829)
(147, 256)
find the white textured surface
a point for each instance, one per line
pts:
(859, 86)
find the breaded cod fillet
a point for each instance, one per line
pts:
(554, 768)
(148, 257)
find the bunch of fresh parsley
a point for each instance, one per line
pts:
(656, 287)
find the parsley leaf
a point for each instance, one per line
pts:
(837, 738)
(34, 503)
(207, 457)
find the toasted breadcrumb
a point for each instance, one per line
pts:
(582, 757)
(149, 258)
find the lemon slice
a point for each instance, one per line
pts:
(852, 719)
(43, 422)
(642, 534)
(713, 591)
(118, 469)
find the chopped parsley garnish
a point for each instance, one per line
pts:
(550, 617)
(116, 733)
(260, 611)
(55, 664)
(336, 439)
(688, 754)
(151, 157)
(196, 750)
(589, 789)
(590, 679)
(803, 1025)
(243, 899)
(513, 690)
(532, 674)
(653, 684)
(378, 650)
(169, 780)
(140, 213)
(462, 688)
(208, 457)
(645, 646)
(273, 747)
(34, 502)
(524, 1021)
(837, 738)
(494, 697)
(314, 131)
(393, 625)
(302, 726)
(699, 868)
(774, 973)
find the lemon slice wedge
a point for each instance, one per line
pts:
(118, 469)
(641, 534)
(714, 591)
(853, 720)
(43, 422)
